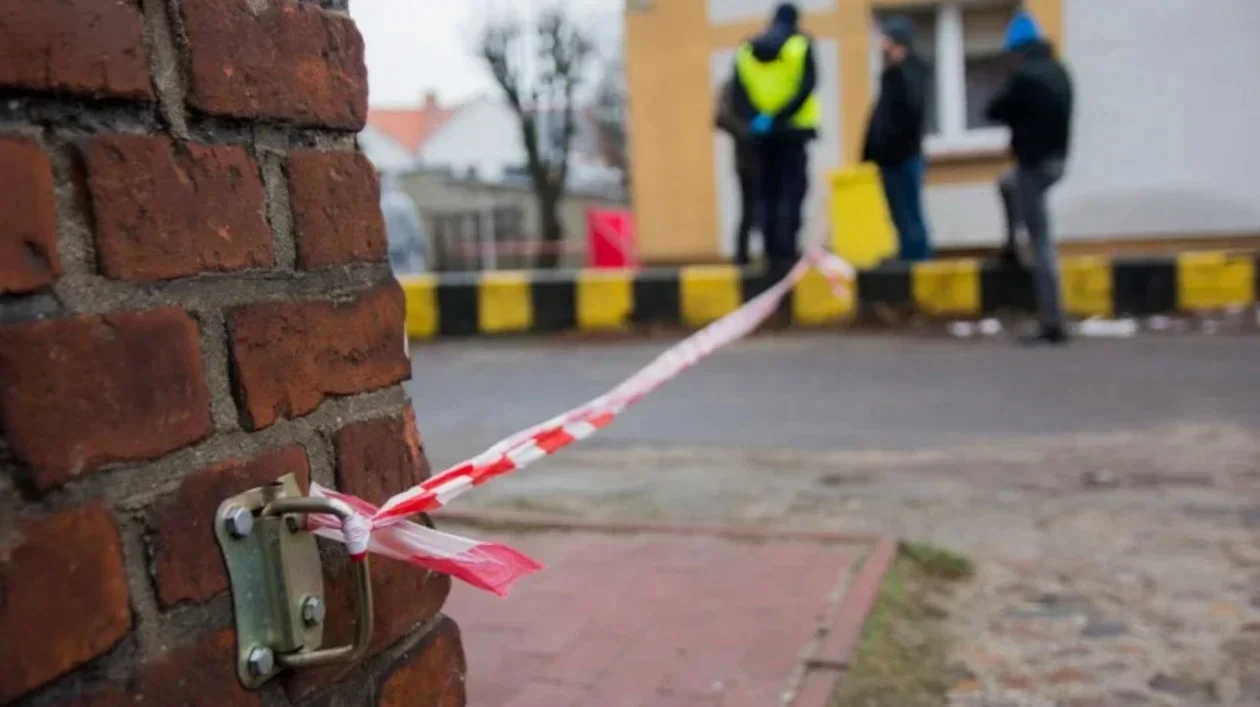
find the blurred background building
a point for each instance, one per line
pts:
(464, 168)
(1165, 141)
(1164, 153)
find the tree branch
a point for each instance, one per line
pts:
(563, 54)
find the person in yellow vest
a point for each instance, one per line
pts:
(776, 79)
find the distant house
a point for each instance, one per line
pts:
(464, 167)
(394, 136)
(410, 127)
(385, 152)
(479, 139)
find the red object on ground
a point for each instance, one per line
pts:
(610, 239)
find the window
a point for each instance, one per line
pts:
(985, 65)
(962, 45)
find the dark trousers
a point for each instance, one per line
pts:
(783, 182)
(747, 213)
(1024, 191)
(903, 188)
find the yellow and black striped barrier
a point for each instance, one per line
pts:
(476, 304)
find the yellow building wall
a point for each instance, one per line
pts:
(668, 50)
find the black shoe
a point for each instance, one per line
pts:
(1008, 259)
(1045, 336)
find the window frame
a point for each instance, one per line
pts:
(950, 64)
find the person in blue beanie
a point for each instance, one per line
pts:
(775, 91)
(1036, 103)
(894, 136)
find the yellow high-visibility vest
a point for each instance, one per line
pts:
(770, 85)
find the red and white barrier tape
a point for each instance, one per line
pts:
(494, 567)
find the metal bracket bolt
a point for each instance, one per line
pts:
(313, 611)
(239, 522)
(261, 661)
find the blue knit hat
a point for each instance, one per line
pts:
(1022, 31)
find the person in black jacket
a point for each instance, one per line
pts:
(894, 136)
(1036, 103)
(729, 122)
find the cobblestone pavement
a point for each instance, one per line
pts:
(1119, 569)
(1109, 493)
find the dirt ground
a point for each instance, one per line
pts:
(1114, 569)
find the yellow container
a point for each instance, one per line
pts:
(862, 231)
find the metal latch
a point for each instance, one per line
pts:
(277, 582)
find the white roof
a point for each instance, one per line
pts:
(384, 151)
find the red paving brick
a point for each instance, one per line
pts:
(816, 689)
(650, 620)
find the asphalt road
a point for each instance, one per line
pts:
(836, 391)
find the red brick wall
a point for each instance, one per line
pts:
(194, 300)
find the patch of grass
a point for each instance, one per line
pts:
(904, 656)
(937, 562)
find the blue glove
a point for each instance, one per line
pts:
(762, 124)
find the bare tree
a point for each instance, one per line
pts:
(536, 92)
(611, 117)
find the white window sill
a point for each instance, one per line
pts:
(969, 143)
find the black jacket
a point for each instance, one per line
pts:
(766, 47)
(895, 131)
(1036, 102)
(729, 122)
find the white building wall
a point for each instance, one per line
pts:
(1166, 136)
(1167, 130)
(486, 136)
(384, 152)
(824, 153)
(483, 135)
(965, 215)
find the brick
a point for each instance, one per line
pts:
(202, 672)
(336, 204)
(403, 597)
(165, 210)
(63, 593)
(433, 673)
(188, 564)
(85, 47)
(585, 658)
(1070, 674)
(79, 393)
(1018, 682)
(28, 241)
(494, 682)
(105, 697)
(285, 61)
(817, 689)
(859, 600)
(379, 458)
(288, 356)
(548, 694)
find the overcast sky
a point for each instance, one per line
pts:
(419, 45)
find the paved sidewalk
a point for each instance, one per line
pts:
(659, 619)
